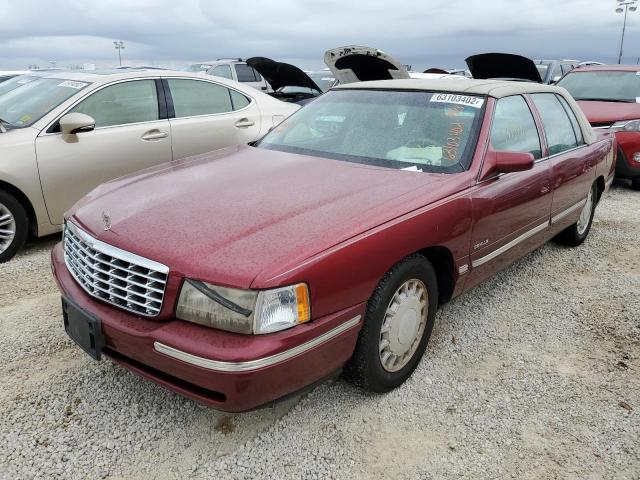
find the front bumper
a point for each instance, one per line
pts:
(628, 145)
(227, 371)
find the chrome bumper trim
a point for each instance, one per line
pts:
(250, 365)
(508, 246)
(564, 213)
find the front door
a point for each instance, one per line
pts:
(209, 116)
(129, 135)
(511, 210)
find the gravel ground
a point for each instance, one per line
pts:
(534, 374)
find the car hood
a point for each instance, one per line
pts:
(609, 112)
(280, 74)
(231, 215)
(502, 65)
(359, 64)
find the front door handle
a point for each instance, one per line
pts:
(245, 123)
(154, 135)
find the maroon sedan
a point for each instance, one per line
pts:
(242, 276)
(610, 98)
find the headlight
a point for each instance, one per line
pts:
(244, 311)
(627, 126)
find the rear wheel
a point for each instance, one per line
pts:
(397, 326)
(577, 233)
(14, 225)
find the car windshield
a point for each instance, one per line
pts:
(614, 86)
(409, 130)
(197, 67)
(15, 82)
(28, 102)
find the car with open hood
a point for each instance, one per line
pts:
(609, 95)
(355, 63)
(64, 132)
(503, 66)
(288, 82)
(239, 277)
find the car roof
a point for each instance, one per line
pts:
(104, 76)
(493, 88)
(610, 68)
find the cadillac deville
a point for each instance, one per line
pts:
(242, 276)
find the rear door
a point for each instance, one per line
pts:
(511, 210)
(131, 133)
(207, 115)
(572, 166)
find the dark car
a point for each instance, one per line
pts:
(503, 66)
(609, 95)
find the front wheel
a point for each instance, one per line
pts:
(14, 226)
(575, 234)
(397, 326)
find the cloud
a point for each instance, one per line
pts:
(170, 32)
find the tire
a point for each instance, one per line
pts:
(365, 368)
(14, 226)
(635, 183)
(575, 234)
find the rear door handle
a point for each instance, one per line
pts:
(154, 135)
(244, 123)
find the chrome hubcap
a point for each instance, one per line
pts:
(7, 228)
(403, 325)
(585, 215)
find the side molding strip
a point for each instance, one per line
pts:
(249, 365)
(511, 244)
(569, 210)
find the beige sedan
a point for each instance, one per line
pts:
(63, 133)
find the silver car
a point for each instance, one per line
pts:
(64, 133)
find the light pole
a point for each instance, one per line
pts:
(625, 6)
(119, 44)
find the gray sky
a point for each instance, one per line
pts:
(422, 33)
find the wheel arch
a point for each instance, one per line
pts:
(443, 263)
(26, 203)
(600, 186)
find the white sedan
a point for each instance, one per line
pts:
(63, 133)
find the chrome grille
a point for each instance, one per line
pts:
(113, 275)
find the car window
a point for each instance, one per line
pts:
(513, 128)
(574, 121)
(239, 100)
(410, 130)
(194, 97)
(556, 123)
(223, 71)
(566, 68)
(246, 73)
(121, 104)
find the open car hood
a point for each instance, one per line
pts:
(503, 65)
(280, 74)
(359, 64)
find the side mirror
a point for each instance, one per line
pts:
(507, 162)
(73, 123)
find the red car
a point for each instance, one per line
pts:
(609, 95)
(242, 276)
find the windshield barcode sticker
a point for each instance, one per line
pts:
(72, 84)
(475, 102)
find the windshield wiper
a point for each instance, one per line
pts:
(604, 100)
(2, 125)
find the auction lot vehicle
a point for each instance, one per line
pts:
(609, 95)
(355, 63)
(330, 243)
(503, 66)
(238, 70)
(288, 83)
(552, 70)
(63, 133)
